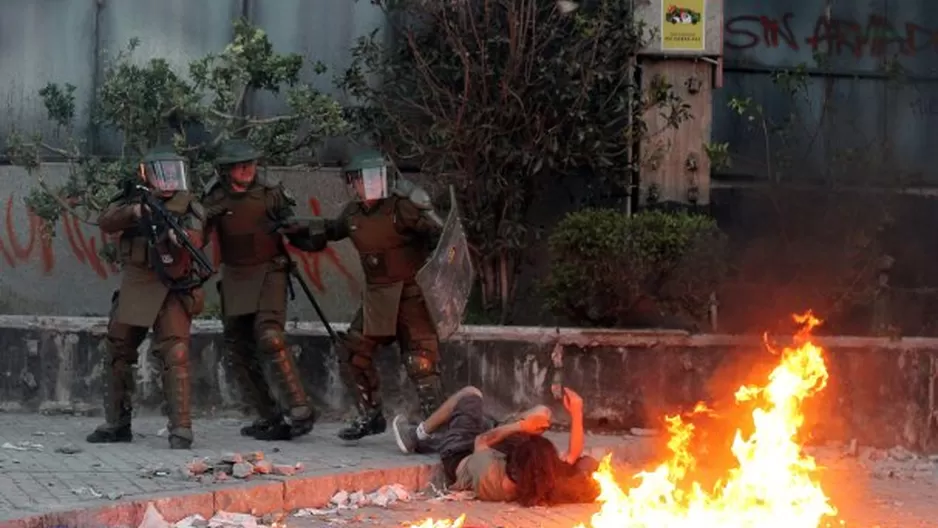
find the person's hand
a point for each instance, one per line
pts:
(138, 210)
(572, 401)
(535, 423)
(174, 239)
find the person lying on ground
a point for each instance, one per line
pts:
(509, 462)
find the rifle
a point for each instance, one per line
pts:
(294, 273)
(166, 220)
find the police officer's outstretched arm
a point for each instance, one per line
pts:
(312, 235)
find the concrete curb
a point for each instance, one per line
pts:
(578, 337)
(271, 495)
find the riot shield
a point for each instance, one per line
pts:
(447, 277)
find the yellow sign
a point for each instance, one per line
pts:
(683, 25)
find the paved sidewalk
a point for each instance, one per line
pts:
(862, 503)
(36, 477)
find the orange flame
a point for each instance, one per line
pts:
(774, 481)
(441, 523)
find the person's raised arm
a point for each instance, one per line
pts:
(574, 405)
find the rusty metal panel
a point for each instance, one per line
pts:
(176, 30)
(41, 42)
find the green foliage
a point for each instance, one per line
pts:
(604, 264)
(148, 103)
(496, 96)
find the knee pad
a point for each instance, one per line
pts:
(421, 364)
(176, 355)
(271, 341)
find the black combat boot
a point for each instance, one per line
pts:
(105, 434)
(298, 423)
(256, 427)
(370, 422)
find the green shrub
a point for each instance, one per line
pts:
(609, 269)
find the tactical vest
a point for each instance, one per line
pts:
(244, 233)
(133, 246)
(387, 255)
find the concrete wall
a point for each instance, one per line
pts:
(65, 275)
(69, 41)
(878, 390)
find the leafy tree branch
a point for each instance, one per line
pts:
(497, 96)
(148, 103)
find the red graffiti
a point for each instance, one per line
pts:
(311, 263)
(38, 245)
(877, 37)
(25, 243)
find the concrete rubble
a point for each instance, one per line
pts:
(342, 501)
(239, 466)
(152, 518)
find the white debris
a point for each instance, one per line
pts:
(225, 519)
(382, 497)
(313, 512)
(153, 519)
(456, 496)
(87, 491)
(192, 521)
(23, 446)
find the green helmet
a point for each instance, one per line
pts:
(165, 170)
(367, 176)
(236, 151)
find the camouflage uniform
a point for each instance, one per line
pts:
(150, 296)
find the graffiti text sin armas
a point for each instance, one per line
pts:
(875, 37)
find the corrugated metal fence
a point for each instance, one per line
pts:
(62, 41)
(871, 100)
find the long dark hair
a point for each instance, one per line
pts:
(532, 464)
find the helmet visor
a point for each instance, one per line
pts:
(369, 184)
(166, 175)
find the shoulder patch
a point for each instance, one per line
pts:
(266, 179)
(420, 198)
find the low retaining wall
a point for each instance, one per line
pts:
(880, 392)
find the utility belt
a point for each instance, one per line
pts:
(137, 251)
